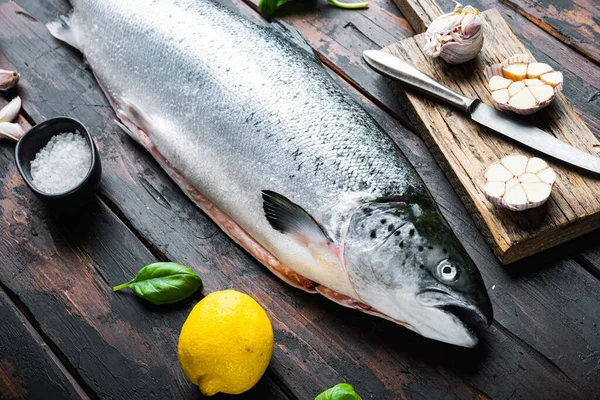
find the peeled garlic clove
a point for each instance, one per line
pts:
(535, 165)
(537, 192)
(547, 175)
(495, 189)
(533, 82)
(515, 198)
(8, 79)
(535, 70)
(542, 93)
(553, 78)
(523, 100)
(515, 164)
(515, 87)
(11, 131)
(10, 111)
(456, 37)
(498, 172)
(498, 82)
(529, 177)
(515, 72)
(501, 96)
(513, 184)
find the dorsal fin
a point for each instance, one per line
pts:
(291, 219)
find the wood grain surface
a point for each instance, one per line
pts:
(544, 339)
(466, 149)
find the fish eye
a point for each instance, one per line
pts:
(447, 271)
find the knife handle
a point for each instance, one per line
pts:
(393, 67)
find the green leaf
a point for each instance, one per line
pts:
(268, 7)
(341, 391)
(164, 283)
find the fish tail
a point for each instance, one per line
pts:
(62, 30)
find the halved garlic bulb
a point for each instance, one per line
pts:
(518, 182)
(531, 86)
(456, 37)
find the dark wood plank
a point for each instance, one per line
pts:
(318, 343)
(577, 23)
(28, 368)
(62, 270)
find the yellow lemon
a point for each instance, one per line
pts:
(226, 343)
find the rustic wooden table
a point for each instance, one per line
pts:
(65, 334)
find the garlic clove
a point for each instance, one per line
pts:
(512, 183)
(498, 82)
(515, 87)
(521, 188)
(523, 100)
(8, 79)
(529, 177)
(501, 96)
(533, 82)
(553, 78)
(537, 192)
(11, 131)
(498, 172)
(515, 198)
(535, 70)
(542, 93)
(547, 175)
(10, 111)
(535, 165)
(495, 189)
(515, 72)
(515, 163)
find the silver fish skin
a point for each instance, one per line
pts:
(254, 130)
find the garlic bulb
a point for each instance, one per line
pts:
(518, 182)
(457, 37)
(522, 86)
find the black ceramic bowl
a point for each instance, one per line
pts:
(36, 138)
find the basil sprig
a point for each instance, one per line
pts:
(164, 283)
(268, 7)
(341, 391)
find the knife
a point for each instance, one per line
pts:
(513, 128)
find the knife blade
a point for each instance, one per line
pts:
(513, 128)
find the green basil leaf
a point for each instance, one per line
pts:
(268, 7)
(341, 391)
(164, 283)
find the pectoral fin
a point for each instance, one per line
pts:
(291, 219)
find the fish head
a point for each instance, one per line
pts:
(406, 263)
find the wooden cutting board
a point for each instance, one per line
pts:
(464, 150)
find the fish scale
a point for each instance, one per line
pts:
(240, 116)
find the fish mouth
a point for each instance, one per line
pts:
(471, 316)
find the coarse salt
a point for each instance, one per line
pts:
(61, 164)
